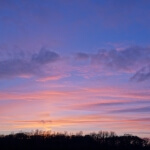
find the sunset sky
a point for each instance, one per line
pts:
(75, 65)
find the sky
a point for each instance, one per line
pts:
(72, 65)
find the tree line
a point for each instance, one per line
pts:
(103, 140)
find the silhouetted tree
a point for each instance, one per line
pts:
(46, 140)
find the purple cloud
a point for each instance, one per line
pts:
(142, 74)
(45, 56)
(130, 60)
(17, 67)
(82, 56)
(127, 60)
(133, 110)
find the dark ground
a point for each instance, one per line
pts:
(58, 141)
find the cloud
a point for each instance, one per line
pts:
(45, 56)
(141, 120)
(21, 67)
(79, 119)
(45, 64)
(105, 106)
(16, 67)
(82, 56)
(127, 60)
(133, 110)
(100, 96)
(97, 119)
(35, 121)
(131, 60)
(142, 75)
(96, 106)
(52, 77)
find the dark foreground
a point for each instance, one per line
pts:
(58, 141)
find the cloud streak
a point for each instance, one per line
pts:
(87, 120)
(142, 74)
(133, 110)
